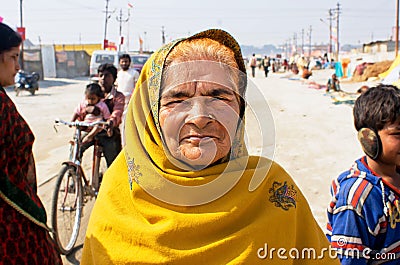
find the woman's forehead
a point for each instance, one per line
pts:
(190, 88)
(205, 72)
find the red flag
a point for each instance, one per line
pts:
(130, 5)
(21, 31)
(1, 19)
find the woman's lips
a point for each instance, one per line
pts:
(197, 138)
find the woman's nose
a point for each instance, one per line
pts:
(199, 113)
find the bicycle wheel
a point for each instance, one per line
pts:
(66, 210)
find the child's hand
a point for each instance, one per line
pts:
(110, 133)
(87, 139)
(110, 128)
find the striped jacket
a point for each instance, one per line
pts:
(364, 217)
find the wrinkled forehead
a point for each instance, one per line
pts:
(201, 71)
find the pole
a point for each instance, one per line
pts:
(397, 28)
(127, 35)
(302, 41)
(330, 31)
(120, 20)
(145, 42)
(120, 29)
(337, 31)
(105, 26)
(286, 49)
(309, 42)
(22, 44)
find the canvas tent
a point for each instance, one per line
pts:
(395, 63)
(392, 75)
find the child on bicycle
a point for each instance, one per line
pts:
(90, 110)
(364, 214)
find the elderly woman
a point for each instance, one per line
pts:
(184, 190)
(24, 234)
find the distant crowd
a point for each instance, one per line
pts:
(297, 64)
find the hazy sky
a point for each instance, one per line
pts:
(251, 22)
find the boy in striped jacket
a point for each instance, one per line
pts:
(364, 213)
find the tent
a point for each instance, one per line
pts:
(393, 78)
(395, 63)
(392, 75)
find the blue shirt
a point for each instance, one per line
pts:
(357, 224)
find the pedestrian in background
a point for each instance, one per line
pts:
(126, 78)
(265, 64)
(126, 82)
(253, 65)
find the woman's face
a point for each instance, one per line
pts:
(9, 66)
(198, 120)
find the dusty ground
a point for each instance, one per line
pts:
(313, 139)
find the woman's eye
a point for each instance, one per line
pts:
(173, 102)
(219, 99)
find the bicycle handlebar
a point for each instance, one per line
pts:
(81, 123)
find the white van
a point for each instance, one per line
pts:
(103, 56)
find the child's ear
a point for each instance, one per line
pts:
(370, 142)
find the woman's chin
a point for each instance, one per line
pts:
(198, 157)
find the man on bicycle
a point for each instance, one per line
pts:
(115, 101)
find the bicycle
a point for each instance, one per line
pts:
(72, 189)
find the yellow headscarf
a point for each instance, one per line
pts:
(149, 211)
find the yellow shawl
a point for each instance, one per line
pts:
(240, 212)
